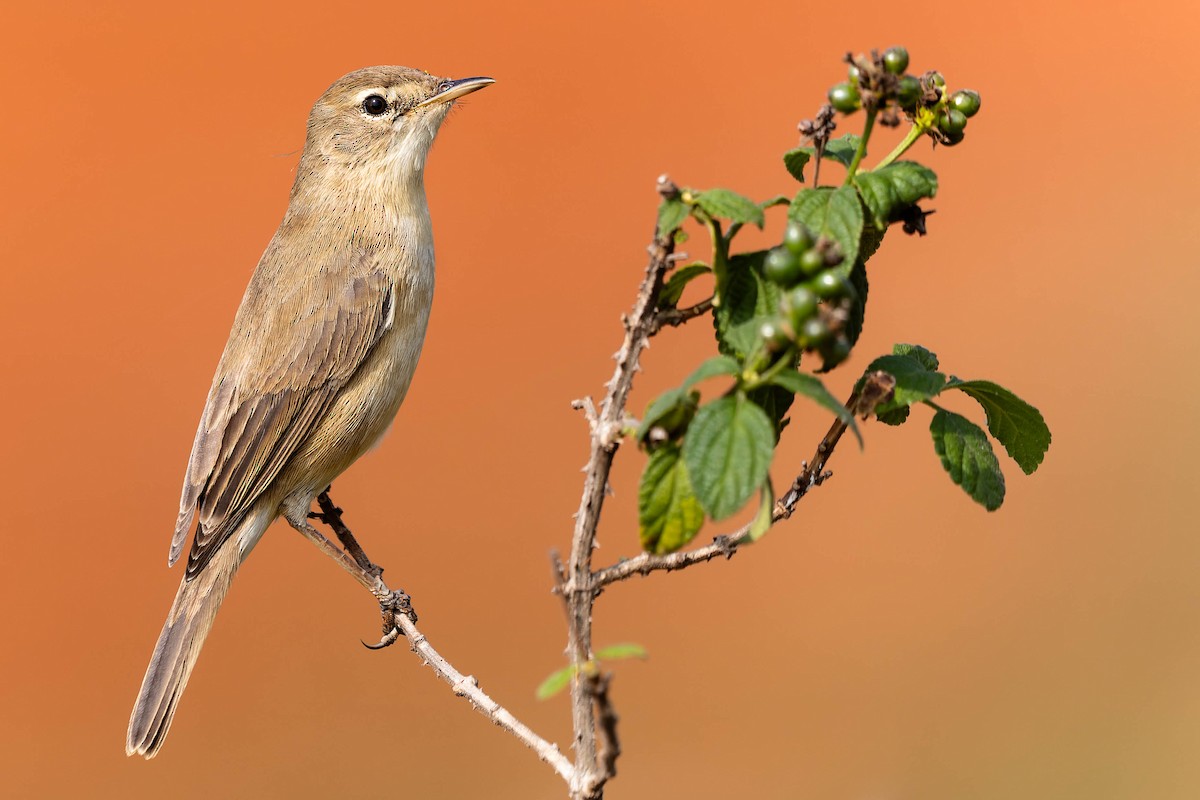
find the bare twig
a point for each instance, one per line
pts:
(403, 622)
(672, 317)
(724, 545)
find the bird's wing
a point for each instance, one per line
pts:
(293, 346)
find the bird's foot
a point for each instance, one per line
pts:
(397, 603)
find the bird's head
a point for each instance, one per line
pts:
(376, 125)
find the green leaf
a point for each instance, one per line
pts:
(743, 338)
(775, 401)
(872, 237)
(747, 296)
(890, 189)
(728, 449)
(1015, 424)
(967, 455)
(927, 358)
(777, 200)
(673, 289)
(840, 150)
(914, 382)
(669, 515)
(730, 205)
(616, 652)
(556, 682)
(766, 511)
(812, 388)
(795, 160)
(833, 213)
(672, 212)
(672, 410)
(895, 417)
(717, 365)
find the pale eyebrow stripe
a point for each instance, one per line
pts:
(365, 93)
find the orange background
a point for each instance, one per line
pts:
(891, 641)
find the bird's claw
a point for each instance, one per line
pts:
(388, 640)
(398, 603)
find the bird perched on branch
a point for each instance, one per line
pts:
(321, 354)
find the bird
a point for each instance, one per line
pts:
(320, 356)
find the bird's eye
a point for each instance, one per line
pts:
(374, 105)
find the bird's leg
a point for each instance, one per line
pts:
(331, 515)
(392, 603)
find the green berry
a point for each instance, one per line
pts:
(782, 266)
(836, 352)
(895, 60)
(814, 332)
(775, 335)
(966, 101)
(951, 122)
(801, 304)
(797, 238)
(812, 262)
(937, 79)
(844, 97)
(830, 284)
(908, 92)
(853, 72)
(951, 139)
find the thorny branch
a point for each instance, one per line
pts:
(605, 427)
(596, 743)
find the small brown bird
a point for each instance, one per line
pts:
(321, 354)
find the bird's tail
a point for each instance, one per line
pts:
(178, 647)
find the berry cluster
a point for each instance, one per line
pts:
(881, 83)
(816, 299)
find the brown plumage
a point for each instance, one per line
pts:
(321, 353)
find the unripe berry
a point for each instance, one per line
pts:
(830, 284)
(797, 238)
(814, 332)
(966, 101)
(801, 304)
(895, 60)
(951, 121)
(908, 92)
(812, 261)
(781, 266)
(844, 97)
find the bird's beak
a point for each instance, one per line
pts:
(452, 90)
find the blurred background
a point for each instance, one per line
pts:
(893, 640)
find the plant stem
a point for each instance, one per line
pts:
(784, 362)
(909, 140)
(862, 146)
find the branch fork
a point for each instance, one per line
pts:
(596, 743)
